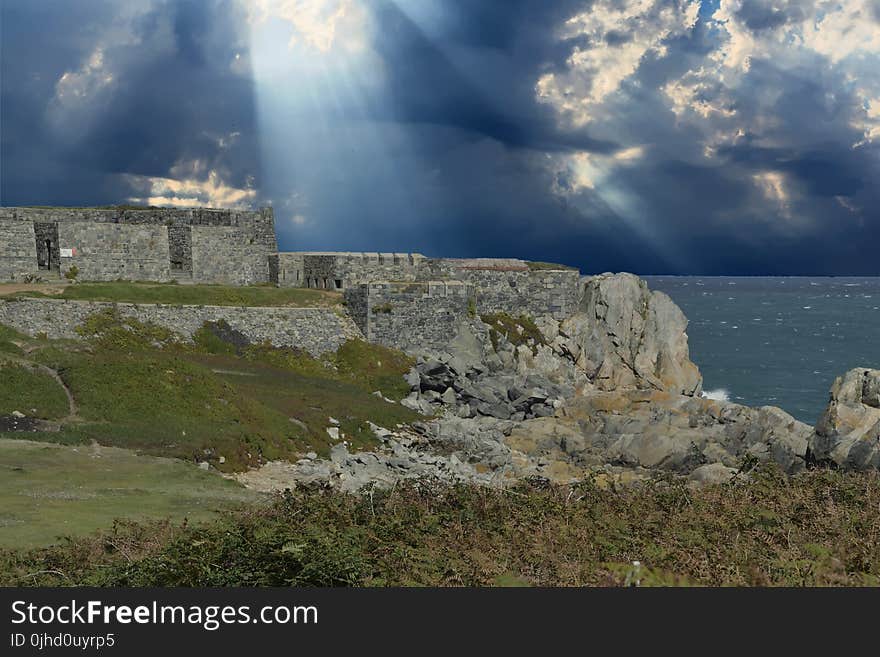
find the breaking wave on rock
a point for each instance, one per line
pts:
(717, 395)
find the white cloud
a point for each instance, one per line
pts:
(772, 184)
(320, 25)
(192, 184)
(868, 122)
(89, 79)
(581, 171)
(803, 37)
(620, 35)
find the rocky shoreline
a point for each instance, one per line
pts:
(609, 393)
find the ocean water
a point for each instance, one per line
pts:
(778, 341)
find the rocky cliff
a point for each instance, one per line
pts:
(609, 392)
(625, 336)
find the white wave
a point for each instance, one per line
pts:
(717, 395)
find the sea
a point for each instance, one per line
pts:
(777, 341)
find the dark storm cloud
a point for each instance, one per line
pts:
(172, 97)
(478, 72)
(763, 169)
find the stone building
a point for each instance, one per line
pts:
(137, 244)
(403, 300)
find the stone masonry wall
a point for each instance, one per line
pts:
(228, 255)
(18, 250)
(510, 285)
(289, 270)
(233, 246)
(259, 223)
(535, 293)
(108, 252)
(316, 330)
(409, 316)
(341, 270)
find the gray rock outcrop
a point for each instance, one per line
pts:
(608, 394)
(626, 336)
(848, 433)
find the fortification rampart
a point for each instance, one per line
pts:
(535, 293)
(156, 244)
(341, 270)
(316, 330)
(410, 316)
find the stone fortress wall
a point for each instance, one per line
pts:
(341, 270)
(151, 244)
(410, 316)
(422, 299)
(502, 283)
(402, 300)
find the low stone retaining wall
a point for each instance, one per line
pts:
(316, 330)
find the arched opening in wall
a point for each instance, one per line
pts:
(338, 283)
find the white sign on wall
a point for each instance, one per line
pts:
(68, 253)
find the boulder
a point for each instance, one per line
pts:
(625, 336)
(848, 433)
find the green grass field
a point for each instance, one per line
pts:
(50, 491)
(199, 295)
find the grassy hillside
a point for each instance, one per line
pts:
(199, 295)
(139, 393)
(234, 406)
(820, 528)
(30, 391)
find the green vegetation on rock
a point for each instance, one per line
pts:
(518, 331)
(818, 528)
(8, 339)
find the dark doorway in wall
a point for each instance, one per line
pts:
(338, 283)
(48, 250)
(180, 248)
